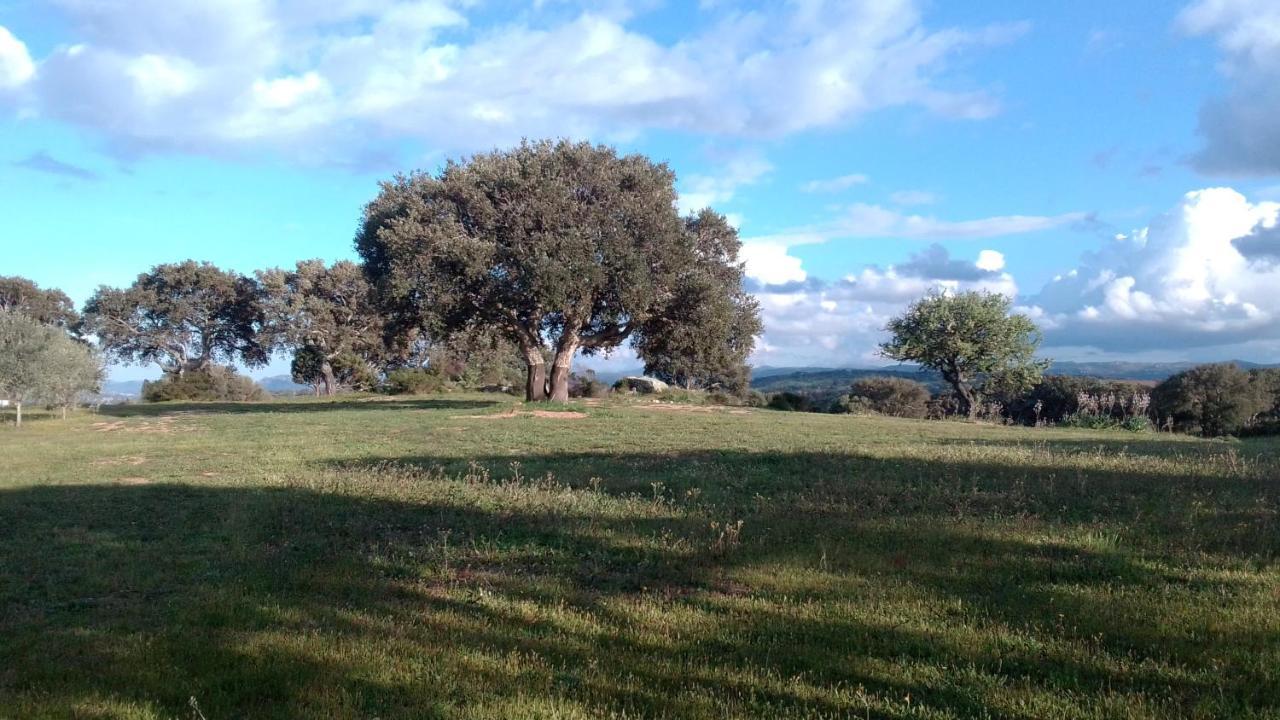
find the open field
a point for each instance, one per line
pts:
(437, 558)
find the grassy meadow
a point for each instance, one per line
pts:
(460, 557)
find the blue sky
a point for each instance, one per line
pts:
(1112, 166)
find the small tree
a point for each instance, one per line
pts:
(704, 334)
(48, 307)
(970, 338)
(70, 370)
(326, 316)
(41, 362)
(1214, 400)
(185, 316)
(559, 241)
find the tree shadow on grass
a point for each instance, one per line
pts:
(275, 406)
(501, 597)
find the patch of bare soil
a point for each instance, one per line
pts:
(162, 425)
(513, 413)
(133, 481)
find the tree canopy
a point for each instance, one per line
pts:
(326, 316)
(551, 241)
(50, 307)
(1214, 400)
(41, 362)
(183, 316)
(969, 338)
(704, 333)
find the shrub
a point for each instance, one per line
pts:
(214, 384)
(587, 385)
(789, 401)
(1057, 397)
(756, 399)
(1212, 400)
(413, 381)
(898, 397)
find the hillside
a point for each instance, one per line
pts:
(463, 556)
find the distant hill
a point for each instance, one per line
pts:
(834, 381)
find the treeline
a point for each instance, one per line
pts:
(497, 270)
(1212, 400)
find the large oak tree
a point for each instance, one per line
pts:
(325, 315)
(553, 243)
(183, 316)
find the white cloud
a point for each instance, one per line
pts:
(990, 260)
(1239, 128)
(229, 75)
(770, 264)
(836, 184)
(701, 191)
(16, 66)
(1181, 282)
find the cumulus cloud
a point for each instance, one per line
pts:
(841, 322)
(16, 66)
(224, 75)
(1239, 128)
(1190, 279)
(1260, 245)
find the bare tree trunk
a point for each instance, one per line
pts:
(326, 377)
(562, 366)
(535, 387)
(19, 406)
(968, 404)
(64, 412)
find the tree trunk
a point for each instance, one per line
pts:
(19, 423)
(327, 378)
(562, 366)
(64, 412)
(535, 386)
(968, 403)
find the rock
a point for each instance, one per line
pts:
(644, 385)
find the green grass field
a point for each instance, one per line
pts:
(440, 557)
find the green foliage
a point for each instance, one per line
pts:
(183, 316)
(560, 240)
(414, 381)
(326, 315)
(790, 402)
(1212, 400)
(898, 397)
(40, 362)
(48, 307)
(216, 383)
(587, 385)
(969, 338)
(701, 337)
(344, 372)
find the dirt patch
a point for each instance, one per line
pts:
(162, 425)
(133, 481)
(513, 413)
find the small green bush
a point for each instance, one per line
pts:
(215, 384)
(587, 385)
(413, 381)
(898, 397)
(790, 402)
